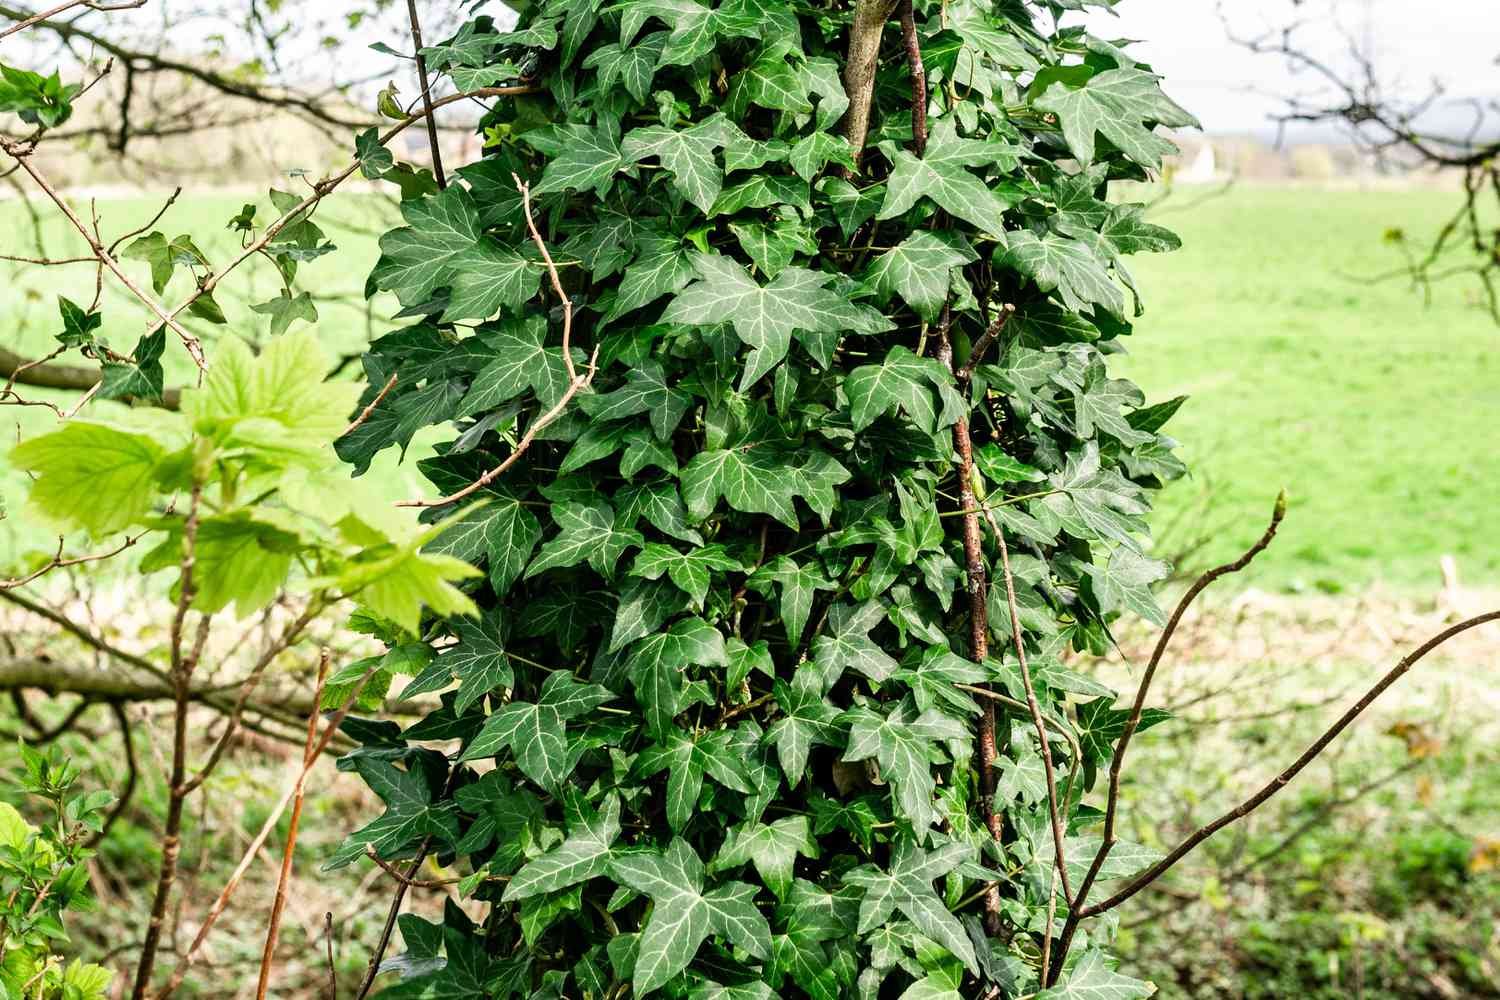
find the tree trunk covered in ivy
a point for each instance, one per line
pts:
(721, 729)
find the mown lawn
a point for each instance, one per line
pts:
(1378, 413)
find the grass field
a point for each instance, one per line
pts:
(1378, 413)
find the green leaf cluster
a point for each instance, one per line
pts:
(712, 735)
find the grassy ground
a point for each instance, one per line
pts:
(1377, 413)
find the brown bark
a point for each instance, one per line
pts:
(860, 64)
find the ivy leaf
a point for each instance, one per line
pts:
(1124, 584)
(757, 481)
(763, 191)
(164, 256)
(522, 361)
(687, 154)
(662, 266)
(942, 176)
(847, 644)
(907, 887)
(78, 326)
(501, 532)
(661, 505)
(375, 160)
(689, 759)
(1116, 104)
(487, 278)
(682, 915)
(1066, 266)
(932, 987)
(920, 270)
(773, 247)
(656, 666)
(286, 308)
(765, 317)
(772, 847)
(807, 720)
(584, 158)
(632, 65)
(689, 570)
(537, 733)
(901, 742)
(902, 381)
(478, 661)
(1092, 979)
(799, 584)
(142, 377)
(645, 391)
(584, 855)
(420, 257)
(1097, 402)
(644, 606)
(588, 533)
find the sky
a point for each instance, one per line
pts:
(1233, 90)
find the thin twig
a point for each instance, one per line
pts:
(1281, 780)
(576, 381)
(1078, 904)
(364, 414)
(289, 849)
(69, 5)
(421, 60)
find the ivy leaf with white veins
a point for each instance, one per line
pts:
(661, 266)
(907, 887)
(657, 664)
(487, 278)
(584, 158)
(903, 744)
(1066, 266)
(537, 733)
(689, 570)
(765, 317)
(645, 391)
(1125, 584)
(757, 481)
(682, 915)
(920, 270)
(1097, 403)
(846, 642)
(689, 759)
(584, 855)
(633, 65)
(942, 175)
(772, 247)
(687, 154)
(1092, 979)
(522, 361)
(1116, 104)
(902, 381)
(773, 849)
(478, 661)
(588, 533)
(807, 720)
(799, 584)
(501, 532)
(419, 258)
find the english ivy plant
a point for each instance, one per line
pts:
(745, 713)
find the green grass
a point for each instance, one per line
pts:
(1378, 415)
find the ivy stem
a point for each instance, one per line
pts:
(432, 133)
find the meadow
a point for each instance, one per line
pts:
(1383, 407)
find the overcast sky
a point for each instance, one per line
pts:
(1229, 88)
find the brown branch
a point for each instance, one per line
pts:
(1079, 904)
(39, 374)
(308, 760)
(1281, 780)
(364, 414)
(406, 879)
(22, 156)
(325, 187)
(576, 381)
(289, 849)
(69, 5)
(58, 562)
(918, 76)
(432, 135)
(860, 63)
(990, 335)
